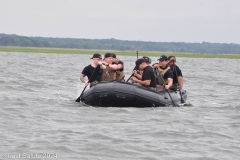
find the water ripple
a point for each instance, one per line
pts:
(39, 115)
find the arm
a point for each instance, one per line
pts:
(172, 60)
(102, 66)
(83, 79)
(144, 83)
(170, 82)
(155, 65)
(179, 77)
(169, 76)
(112, 66)
(180, 82)
(120, 66)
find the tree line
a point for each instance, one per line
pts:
(122, 45)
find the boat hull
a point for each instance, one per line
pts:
(122, 94)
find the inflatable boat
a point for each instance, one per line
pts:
(123, 94)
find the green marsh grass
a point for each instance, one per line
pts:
(128, 53)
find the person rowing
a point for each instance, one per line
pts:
(93, 71)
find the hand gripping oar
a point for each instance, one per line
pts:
(182, 101)
(167, 89)
(79, 98)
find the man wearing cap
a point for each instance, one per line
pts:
(148, 78)
(109, 69)
(163, 72)
(177, 74)
(120, 71)
(138, 73)
(93, 71)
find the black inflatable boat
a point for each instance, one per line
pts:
(123, 94)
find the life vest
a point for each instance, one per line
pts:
(162, 72)
(108, 74)
(119, 73)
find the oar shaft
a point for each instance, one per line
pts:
(129, 78)
(79, 98)
(133, 69)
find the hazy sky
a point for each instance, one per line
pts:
(216, 21)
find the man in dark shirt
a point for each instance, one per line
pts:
(92, 71)
(177, 73)
(147, 79)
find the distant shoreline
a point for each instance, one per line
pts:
(122, 53)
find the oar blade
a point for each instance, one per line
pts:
(78, 99)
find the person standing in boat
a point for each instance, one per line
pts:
(120, 71)
(163, 72)
(148, 78)
(109, 69)
(177, 74)
(92, 71)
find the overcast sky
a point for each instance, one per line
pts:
(216, 21)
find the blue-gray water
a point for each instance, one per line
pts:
(39, 118)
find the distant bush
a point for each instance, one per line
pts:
(122, 45)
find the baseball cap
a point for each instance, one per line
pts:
(96, 55)
(163, 58)
(147, 59)
(138, 62)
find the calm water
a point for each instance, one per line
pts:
(39, 118)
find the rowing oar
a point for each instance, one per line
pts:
(133, 69)
(132, 74)
(182, 101)
(167, 89)
(79, 98)
(129, 78)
